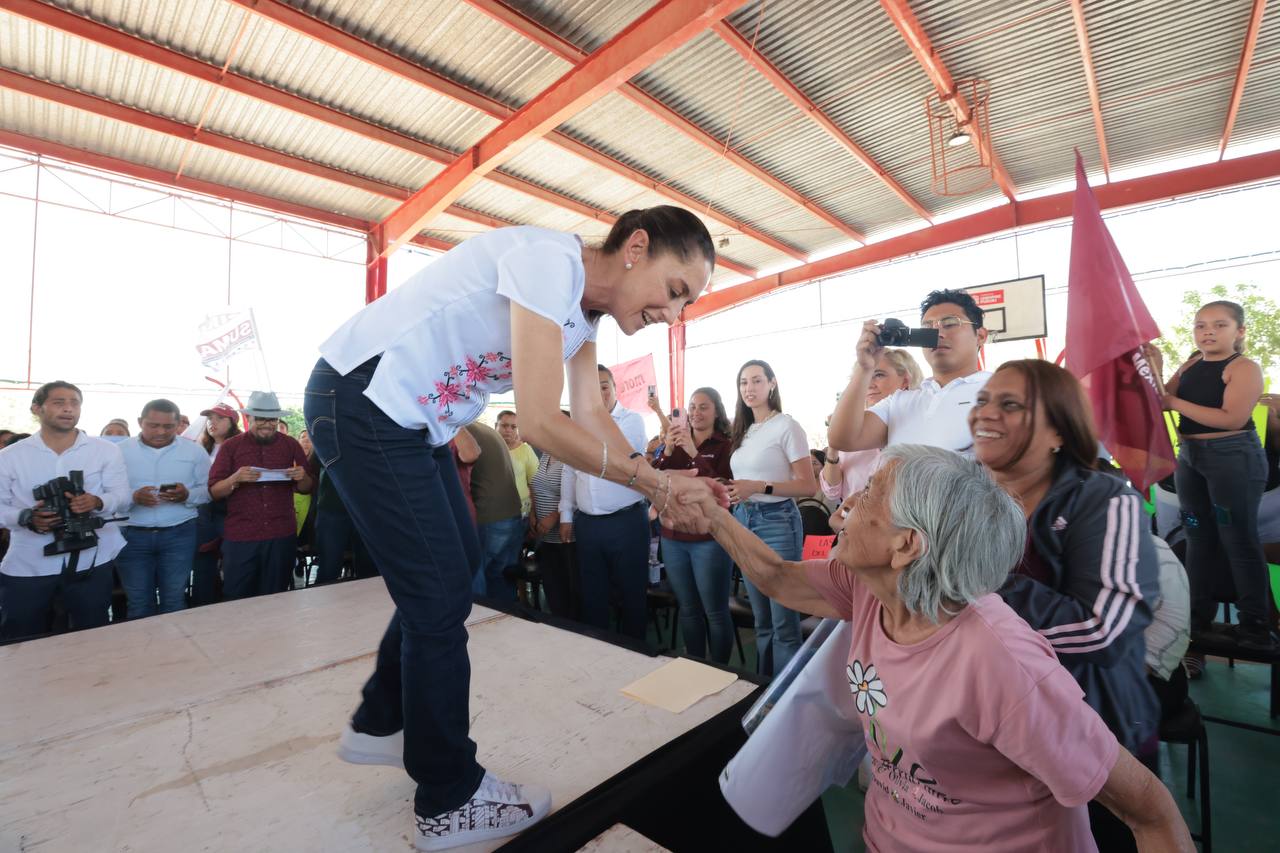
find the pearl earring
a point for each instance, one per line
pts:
(628, 266)
(1055, 450)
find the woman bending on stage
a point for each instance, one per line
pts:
(510, 308)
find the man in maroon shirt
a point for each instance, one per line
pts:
(257, 473)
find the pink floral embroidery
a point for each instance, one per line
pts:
(491, 366)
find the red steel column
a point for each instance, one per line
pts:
(375, 273)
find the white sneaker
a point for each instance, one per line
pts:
(356, 748)
(497, 809)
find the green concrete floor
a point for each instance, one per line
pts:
(1244, 765)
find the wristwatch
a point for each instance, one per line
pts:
(768, 488)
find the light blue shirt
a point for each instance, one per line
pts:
(181, 461)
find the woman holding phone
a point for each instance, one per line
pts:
(698, 568)
(771, 468)
(511, 308)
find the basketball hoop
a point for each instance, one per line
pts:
(959, 166)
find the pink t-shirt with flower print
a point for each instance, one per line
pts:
(978, 738)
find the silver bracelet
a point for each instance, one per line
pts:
(604, 458)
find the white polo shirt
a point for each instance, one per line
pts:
(933, 414)
(31, 463)
(589, 493)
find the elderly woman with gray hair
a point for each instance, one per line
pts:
(978, 737)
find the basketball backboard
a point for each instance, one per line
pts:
(1012, 310)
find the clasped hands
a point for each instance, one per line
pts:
(691, 502)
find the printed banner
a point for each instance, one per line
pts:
(224, 335)
(632, 380)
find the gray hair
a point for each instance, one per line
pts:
(974, 532)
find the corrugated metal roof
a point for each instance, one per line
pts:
(46, 120)
(628, 133)
(1028, 53)
(1256, 120)
(1165, 73)
(586, 23)
(315, 71)
(850, 61)
(708, 83)
(448, 37)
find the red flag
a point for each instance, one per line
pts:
(1107, 324)
(631, 382)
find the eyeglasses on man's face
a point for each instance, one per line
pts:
(947, 323)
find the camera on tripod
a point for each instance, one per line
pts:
(894, 333)
(75, 533)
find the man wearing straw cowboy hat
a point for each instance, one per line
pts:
(257, 473)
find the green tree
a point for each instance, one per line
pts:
(1262, 326)
(296, 422)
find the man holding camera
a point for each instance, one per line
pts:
(936, 413)
(169, 479)
(46, 558)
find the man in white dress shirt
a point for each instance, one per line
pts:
(32, 575)
(610, 524)
(936, 413)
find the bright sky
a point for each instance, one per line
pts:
(118, 301)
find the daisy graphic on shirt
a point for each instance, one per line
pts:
(867, 689)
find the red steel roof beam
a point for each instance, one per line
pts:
(1242, 73)
(770, 72)
(153, 175)
(899, 11)
(1091, 81)
(569, 52)
(654, 34)
(210, 139)
(1019, 214)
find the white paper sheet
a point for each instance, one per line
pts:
(811, 740)
(271, 475)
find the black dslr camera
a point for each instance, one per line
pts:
(894, 333)
(76, 531)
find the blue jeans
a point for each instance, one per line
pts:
(1220, 483)
(499, 547)
(26, 604)
(613, 562)
(777, 627)
(406, 501)
(700, 573)
(156, 558)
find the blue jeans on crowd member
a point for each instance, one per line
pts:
(210, 521)
(335, 534)
(156, 558)
(1220, 483)
(406, 501)
(257, 568)
(700, 573)
(778, 525)
(26, 604)
(613, 562)
(499, 548)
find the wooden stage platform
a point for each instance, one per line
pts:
(215, 729)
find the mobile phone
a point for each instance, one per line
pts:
(653, 390)
(677, 418)
(169, 487)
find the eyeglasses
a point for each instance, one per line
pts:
(947, 323)
(258, 420)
